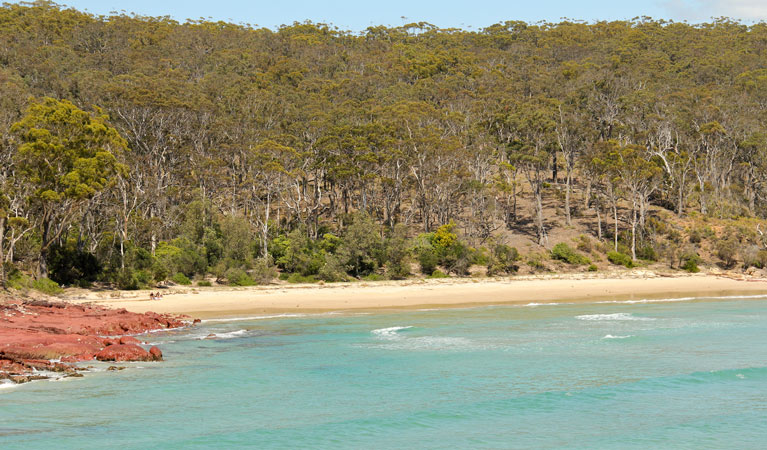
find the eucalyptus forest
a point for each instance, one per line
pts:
(142, 149)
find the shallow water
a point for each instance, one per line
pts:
(689, 374)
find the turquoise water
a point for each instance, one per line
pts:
(689, 374)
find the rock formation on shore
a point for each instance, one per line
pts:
(40, 339)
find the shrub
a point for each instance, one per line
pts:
(726, 250)
(180, 278)
(593, 268)
(127, 280)
(18, 280)
(535, 261)
(263, 271)
(620, 259)
(143, 277)
(696, 236)
(360, 245)
(584, 244)
(502, 259)
(68, 265)
(689, 261)
(427, 259)
(204, 283)
(46, 286)
(238, 277)
(564, 252)
(398, 254)
(298, 278)
(332, 270)
(374, 277)
(438, 274)
(647, 253)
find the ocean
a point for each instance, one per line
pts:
(638, 374)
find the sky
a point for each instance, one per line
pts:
(468, 14)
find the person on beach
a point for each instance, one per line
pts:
(152, 296)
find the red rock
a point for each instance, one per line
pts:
(33, 332)
(124, 352)
(129, 340)
(156, 353)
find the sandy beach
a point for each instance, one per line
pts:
(220, 302)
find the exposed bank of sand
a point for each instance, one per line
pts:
(237, 302)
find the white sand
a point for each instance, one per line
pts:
(232, 302)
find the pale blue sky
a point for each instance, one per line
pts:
(473, 14)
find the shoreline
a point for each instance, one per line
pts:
(232, 302)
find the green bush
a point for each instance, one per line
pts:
(564, 252)
(502, 259)
(18, 280)
(298, 278)
(182, 279)
(620, 259)
(398, 254)
(593, 268)
(727, 250)
(68, 265)
(143, 277)
(126, 280)
(238, 277)
(263, 271)
(427, 259)
(46, 286)
(535, 261)
(690, 261)
(647, 253)
(438, 274)
(332, 270)
(374, 277)
(204, 283)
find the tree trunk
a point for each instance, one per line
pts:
(599, 222)
(568, 179)
(634, 233)
(539, 216)
(615, 217)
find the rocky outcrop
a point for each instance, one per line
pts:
(38, 337)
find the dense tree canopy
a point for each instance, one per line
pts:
(210, 146)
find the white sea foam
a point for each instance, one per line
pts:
(610, 336)
(389, 333)
(243, 319)
(546, 304)
(616, 316)
(8, 384)
(685, 299)
(229, 335)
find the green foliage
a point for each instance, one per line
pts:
(502, 259)
(180, 278)
(263, 272)
(127, 280)
(238, 277)
(727, 250)
(620, 259)
(298, 278)
(593, 268)
(332, 270)
(689, 261)
(438, 274)
(204, 283)
(398, 254)
(361, 249)
(536, 261)
(46, 286)
(69, 265)
(564, 252)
